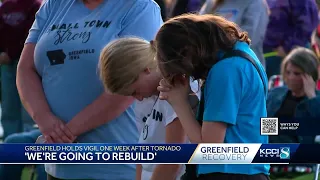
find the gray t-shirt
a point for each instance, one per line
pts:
(250, 15)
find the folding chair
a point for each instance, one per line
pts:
(275, 81)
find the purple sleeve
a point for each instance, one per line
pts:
(278, 23)
(304, 17)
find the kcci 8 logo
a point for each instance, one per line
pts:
(282, 153)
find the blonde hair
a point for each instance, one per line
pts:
(121, 62)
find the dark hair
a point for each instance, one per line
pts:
(304, 59)
(188, 44)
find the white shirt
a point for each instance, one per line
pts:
(157, 114)
(142, 110)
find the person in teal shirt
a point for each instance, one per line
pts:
(234, 89)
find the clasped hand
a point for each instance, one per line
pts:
(55, 130)
(177, 93)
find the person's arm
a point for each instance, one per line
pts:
(207, 7)
(33, 98)
(143, 20)
(138, 171)
(211, 132)
(169, 5)
(221, 103)
(101, 111)
(174, 134)
(308, 107)
(30, 87)
(28, 80)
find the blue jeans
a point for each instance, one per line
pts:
(15, 171)
(14, 116)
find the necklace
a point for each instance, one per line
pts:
(145, 130)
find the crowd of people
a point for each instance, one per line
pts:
(180, 71)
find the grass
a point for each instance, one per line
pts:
(305, 177)
(302, 177)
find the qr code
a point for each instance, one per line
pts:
(269, 126)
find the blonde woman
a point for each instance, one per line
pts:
(128, 67)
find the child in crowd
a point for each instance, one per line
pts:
(128, 67)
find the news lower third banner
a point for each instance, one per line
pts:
(158, 153)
